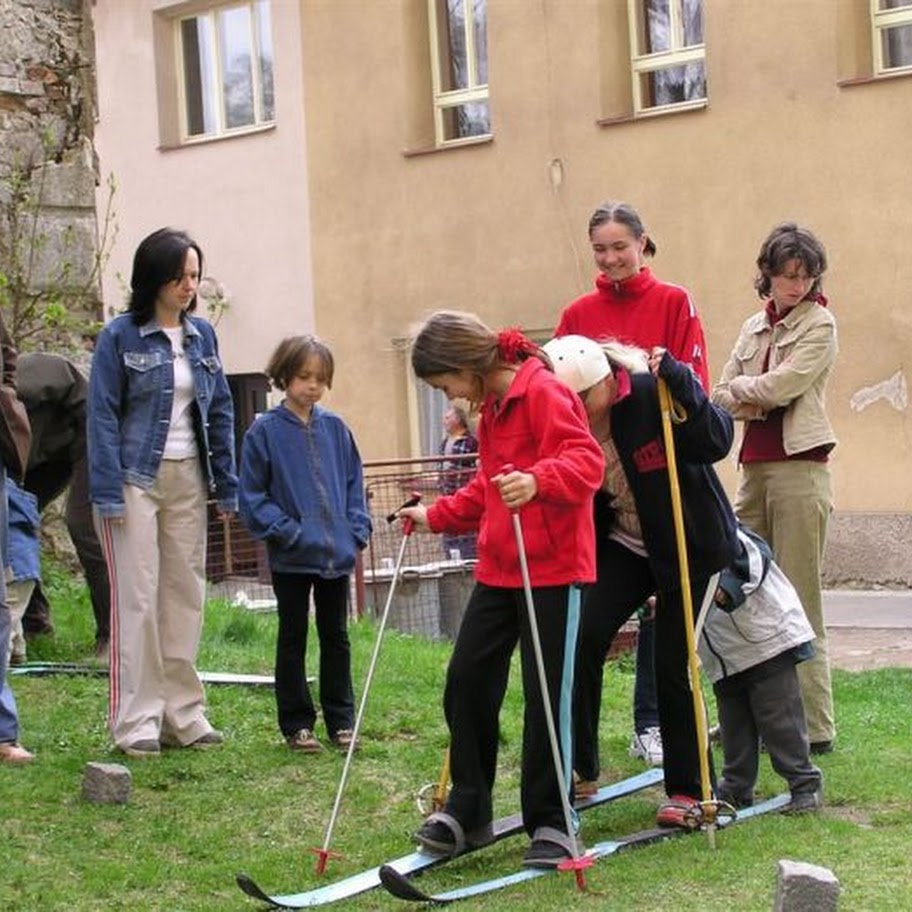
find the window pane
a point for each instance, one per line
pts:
(894, 4)
(692, 16)
(481, 40)
(472, 119)
(658, 31)
(453, 61)
(237, 57)
(897, 46)
(198, 58)
(674, 85)
(267, 86)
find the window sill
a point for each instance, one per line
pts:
(870, 79)
(485, 140)
(688, 108)
(204, 140)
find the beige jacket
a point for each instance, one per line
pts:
(802, 350)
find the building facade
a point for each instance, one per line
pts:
(349, 166)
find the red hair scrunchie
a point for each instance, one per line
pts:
(511, 343)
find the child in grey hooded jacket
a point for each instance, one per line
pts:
(754, 635)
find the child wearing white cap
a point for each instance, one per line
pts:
(635, 542)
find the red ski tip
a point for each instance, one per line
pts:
(323, 855)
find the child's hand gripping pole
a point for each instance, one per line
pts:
(408, 526)
(578, 862)
(708, 807)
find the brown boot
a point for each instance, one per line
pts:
(11, 752)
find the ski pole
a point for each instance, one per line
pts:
(408, 526)
(578, 863)
(708, 807)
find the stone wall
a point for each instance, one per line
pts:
(48, 170)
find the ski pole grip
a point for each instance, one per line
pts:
(413, 501)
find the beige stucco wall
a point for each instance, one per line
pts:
(491, 227)
(245, 199)
(485, 228)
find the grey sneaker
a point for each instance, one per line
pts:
(647, 745)
(146, 747)
(804, 803)
(210, 739)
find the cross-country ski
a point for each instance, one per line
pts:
(420, 861)
(400, 886)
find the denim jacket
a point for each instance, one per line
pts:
(131, 388)
(23, 561)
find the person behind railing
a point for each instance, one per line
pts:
(455, 471)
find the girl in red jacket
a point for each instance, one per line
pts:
(536, 455)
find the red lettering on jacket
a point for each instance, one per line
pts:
(651, 457)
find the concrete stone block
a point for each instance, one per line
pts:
(106, 783)
(804, 887)
(67, 185)
(63, 258)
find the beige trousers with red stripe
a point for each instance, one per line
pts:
(156, 562)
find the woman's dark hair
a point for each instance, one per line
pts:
(788, 242)
(159, 259)
(292, 354)
(623, 214)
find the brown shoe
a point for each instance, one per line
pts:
(584, 788)
(305, 741)
(343, 739)
(12, 752)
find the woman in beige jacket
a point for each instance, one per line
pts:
(775, 382)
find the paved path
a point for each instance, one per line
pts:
(869, 628)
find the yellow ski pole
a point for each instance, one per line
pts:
(708, 806)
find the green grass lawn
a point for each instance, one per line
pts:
(197, 818)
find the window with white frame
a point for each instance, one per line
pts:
(667, 54)
(892, 30)
(225, 66)
(459, 58)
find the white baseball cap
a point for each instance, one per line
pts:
(578, 361)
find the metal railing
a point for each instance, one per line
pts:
(435, 582)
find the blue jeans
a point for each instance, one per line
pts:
(9, 718)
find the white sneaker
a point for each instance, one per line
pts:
(647, 746)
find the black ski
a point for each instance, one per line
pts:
(396, 883)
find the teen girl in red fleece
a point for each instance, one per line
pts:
(533, 422)
(630, 305)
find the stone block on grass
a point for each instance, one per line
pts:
(106, 783)
(805, 887)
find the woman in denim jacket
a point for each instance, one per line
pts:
(161, 441)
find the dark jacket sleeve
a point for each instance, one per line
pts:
(706, 433)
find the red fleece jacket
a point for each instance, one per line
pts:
(640, 311)
(539, 426)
